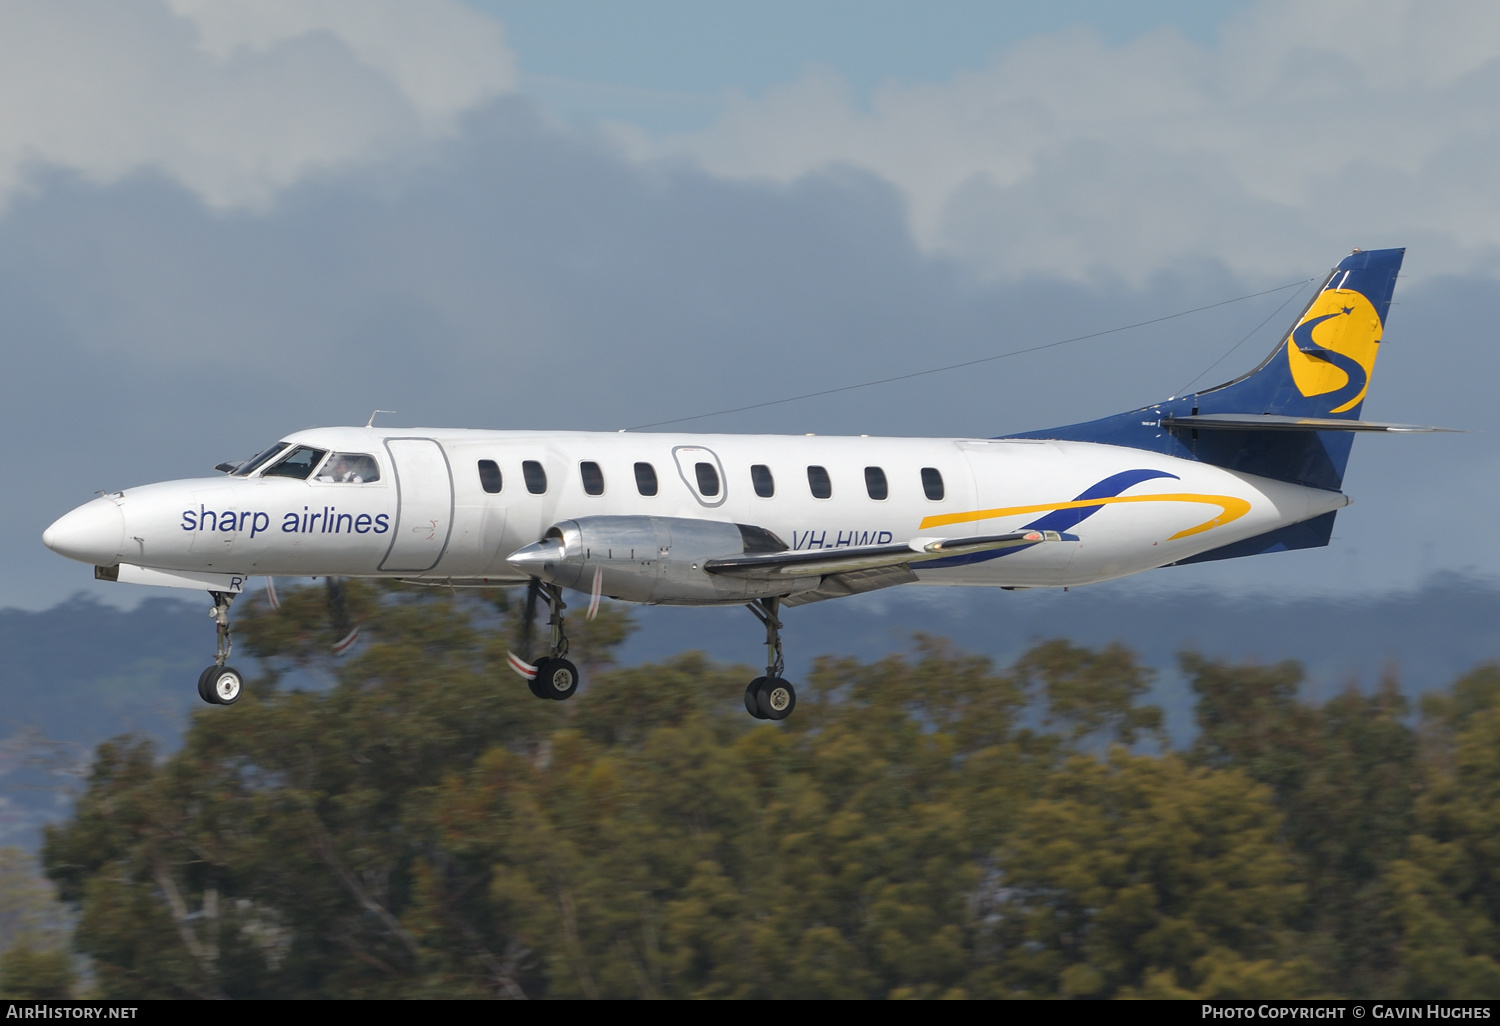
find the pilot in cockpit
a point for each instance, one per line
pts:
(349, 468)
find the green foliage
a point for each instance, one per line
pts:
(1345, 776)
(36, 974)
(1147, 876)
(1449, 883)
(1093, 694)
(423, 827)
(35, 960)
(28, 902)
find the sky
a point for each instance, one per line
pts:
(224, 220)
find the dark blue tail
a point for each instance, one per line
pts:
(1320, 369)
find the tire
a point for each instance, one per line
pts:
(206, 685)
(752, 698)
(775, 698)
(536, 683)
(220, 685)
(557, 678)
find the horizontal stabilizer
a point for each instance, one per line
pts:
(1272, 422)
(813, 562)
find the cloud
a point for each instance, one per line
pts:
(235, 99)
(1307, 130)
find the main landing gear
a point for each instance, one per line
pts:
(221, 684)
(556, 678)
(770, 697)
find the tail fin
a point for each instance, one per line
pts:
(1320, 369)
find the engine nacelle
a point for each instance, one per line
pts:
(657, 560)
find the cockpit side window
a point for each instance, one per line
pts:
(260, 459)
(349, 468)
(299, 464)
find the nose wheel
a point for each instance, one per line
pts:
(221, 684)
(770, 697)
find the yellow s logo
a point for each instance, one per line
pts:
(1333, 348)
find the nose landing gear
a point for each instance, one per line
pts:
(770, 697)
(556, 678)
(220, 684)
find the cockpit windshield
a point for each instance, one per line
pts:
(259, 460)
(349, 468)
(299, 464)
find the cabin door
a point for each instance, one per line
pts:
(424, 505)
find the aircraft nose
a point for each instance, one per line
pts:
(92, 533)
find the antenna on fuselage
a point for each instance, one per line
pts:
(371, 421)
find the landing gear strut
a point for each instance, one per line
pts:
(556, 678)
(770, 697)
(220, 684)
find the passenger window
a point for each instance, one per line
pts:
(299, 464)
(875, 483)
(536, 477)
(932, 483)
(708, 479)
(817, 480)
(645, 479)
(765, 484)
(489, 476)
(349, 468)
(593, 477)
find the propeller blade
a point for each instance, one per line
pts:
(338, 617)
(521, 666)
(347, 642)
(271, 594)
(595, 592)
(528, 618)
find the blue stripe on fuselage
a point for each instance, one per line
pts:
(1059, 519)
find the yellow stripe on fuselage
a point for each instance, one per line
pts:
(1230, 510)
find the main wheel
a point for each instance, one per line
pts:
(557, 679)
(752, 698)
(206, 685)
(220, 685)
(775, 698)
(536, 681)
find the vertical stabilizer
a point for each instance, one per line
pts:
(1320, 368)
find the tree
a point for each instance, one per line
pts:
(35, 960)
(274, 853)
(1092, 695)
(1148, 877)
(1345, 776)
(1447, 886)
(928, 825)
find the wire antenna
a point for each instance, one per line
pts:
(972, 363)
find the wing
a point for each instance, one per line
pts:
(818, 562)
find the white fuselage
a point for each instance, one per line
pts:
(433, 515)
